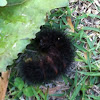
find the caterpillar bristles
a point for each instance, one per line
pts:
(46, 57)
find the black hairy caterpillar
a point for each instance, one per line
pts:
(46, 57)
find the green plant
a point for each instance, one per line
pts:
(19, 21)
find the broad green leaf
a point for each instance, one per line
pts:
(3, 2)
(28, 91)
(19, 83)
(19, 24)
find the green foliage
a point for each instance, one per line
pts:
(28, 91)
(15, 2)
(92, 67)
(89, 74)
(19, 88)
(19, 83)
(91, 28)
(18, 24)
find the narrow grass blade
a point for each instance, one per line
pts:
(91, 28)
(90, 73)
